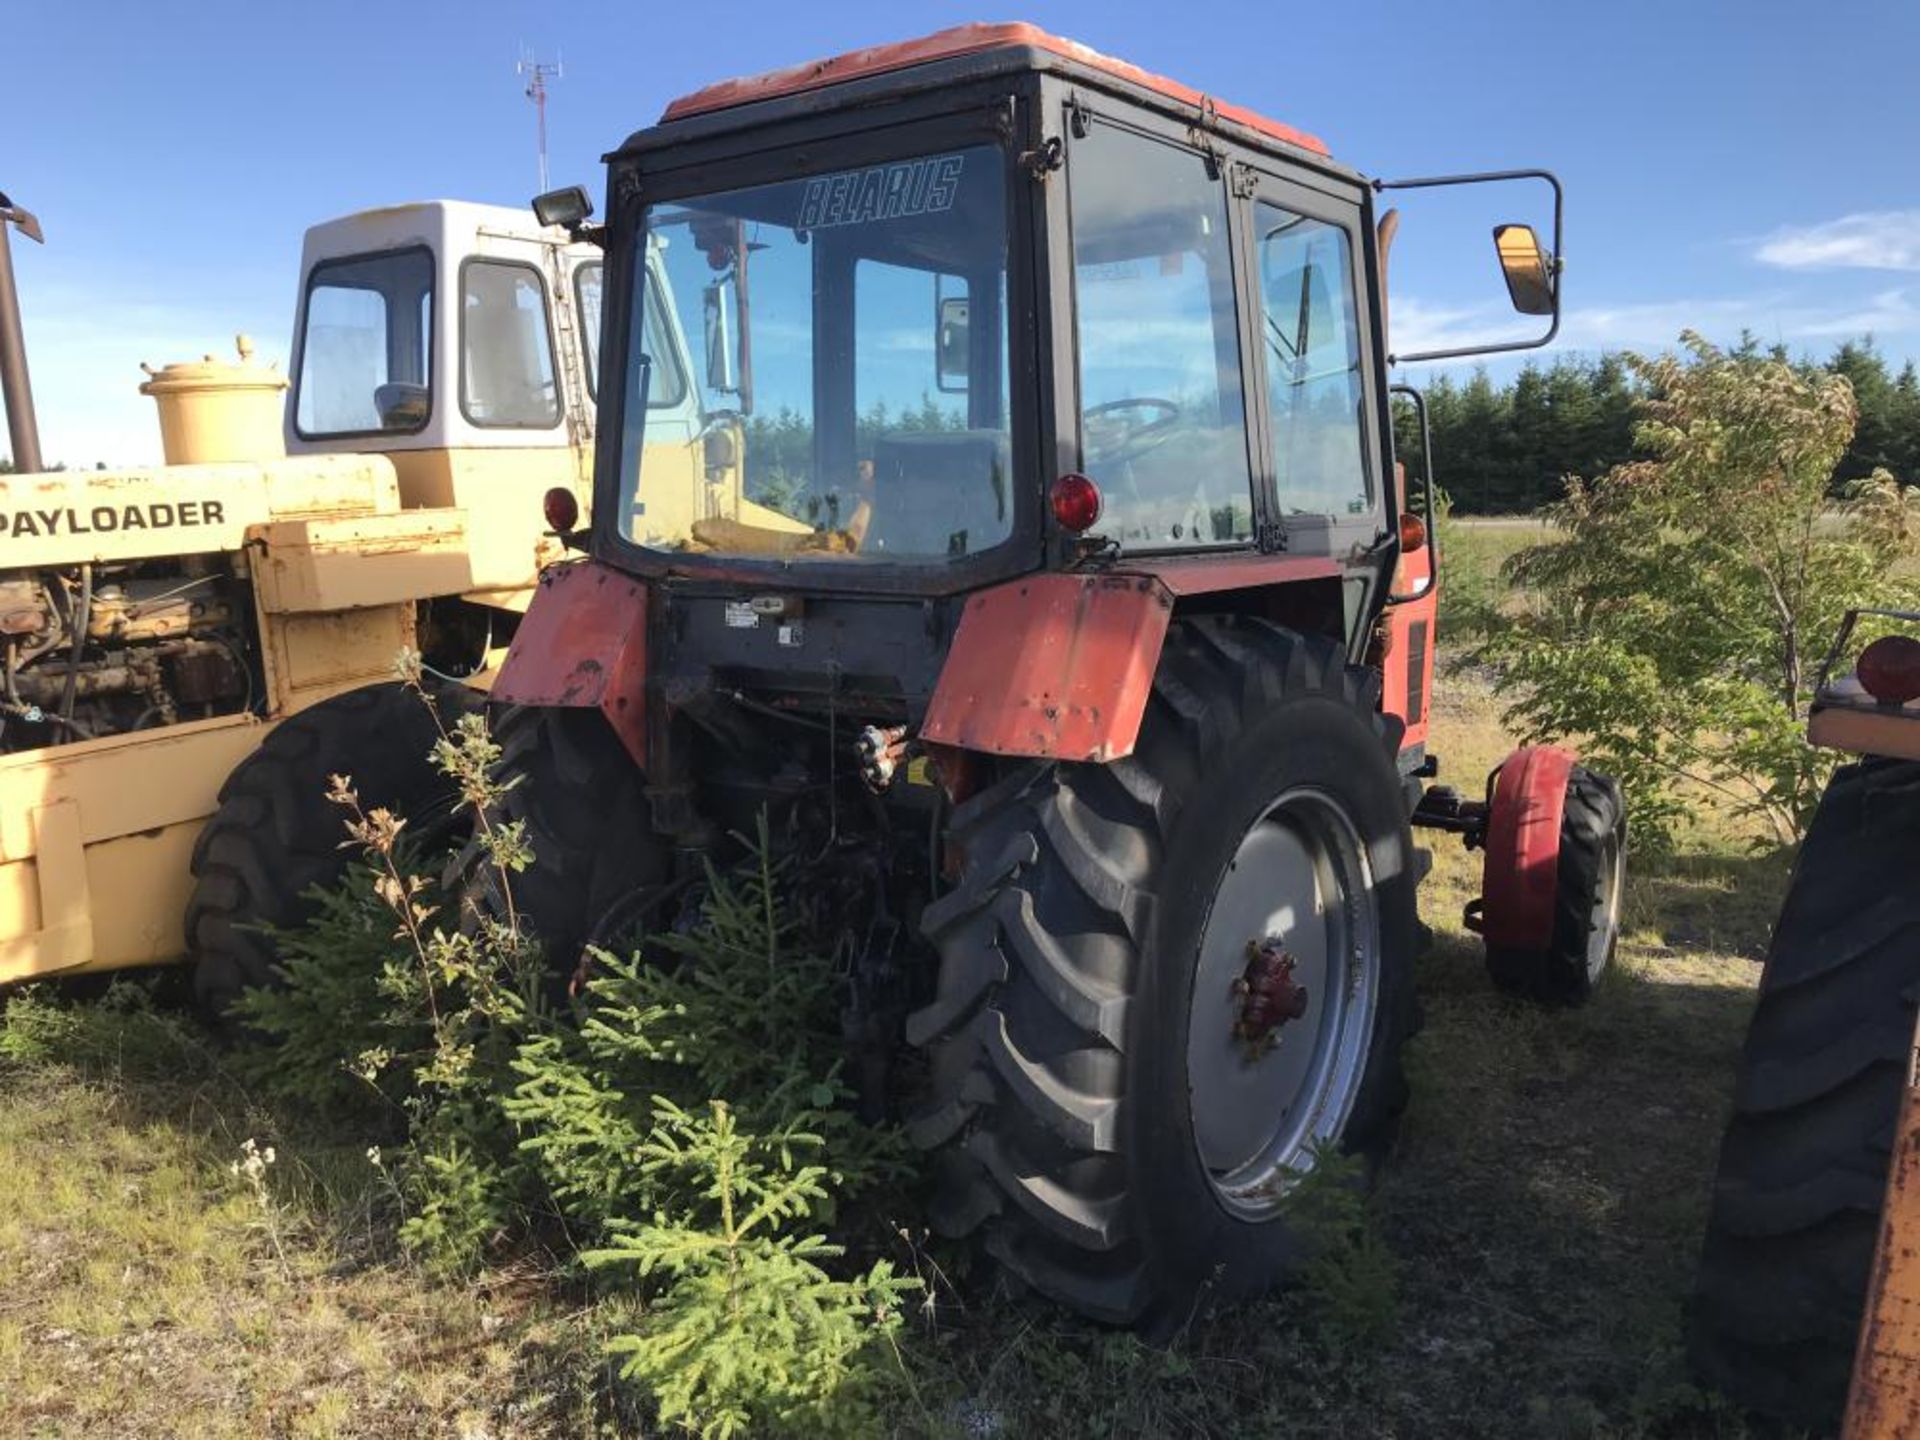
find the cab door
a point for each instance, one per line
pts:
(1320, 458)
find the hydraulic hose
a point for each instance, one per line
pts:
(80, 618)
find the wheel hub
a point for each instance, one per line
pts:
(1280, 1025)
(1269, 996)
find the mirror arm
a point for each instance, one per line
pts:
(1554, 262)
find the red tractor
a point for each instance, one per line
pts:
(1019, 530)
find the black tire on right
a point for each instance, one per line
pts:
(581, 800)
(1803, 1166)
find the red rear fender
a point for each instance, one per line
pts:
(583, 644)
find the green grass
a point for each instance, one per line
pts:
(152, 1292)
(1538, 1224)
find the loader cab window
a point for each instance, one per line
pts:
(586, 295)
(1163, 425)
(1315, 385)
(366, 346)
(506, 347)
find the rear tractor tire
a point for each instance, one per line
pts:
(1166, 982)
(582, 803)
(1803, 1166)
(276, 835)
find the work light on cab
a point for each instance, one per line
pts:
(562, 509)
(1076, 502)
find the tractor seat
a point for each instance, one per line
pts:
(940, 492)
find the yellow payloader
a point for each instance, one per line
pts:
(190, 649)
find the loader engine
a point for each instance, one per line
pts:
(107, 649)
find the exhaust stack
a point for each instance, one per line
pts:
(15, 388)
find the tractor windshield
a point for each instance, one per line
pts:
(845, 336)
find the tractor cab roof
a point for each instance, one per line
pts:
(947, 56)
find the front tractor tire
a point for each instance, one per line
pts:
(1589, 883)
(1125, 1078)
(1803, 1166)
(276, 836)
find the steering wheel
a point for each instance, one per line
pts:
(1119, 439)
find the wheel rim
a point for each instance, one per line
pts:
(1603, 925)
(1300, 875)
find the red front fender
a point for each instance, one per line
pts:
(1522, 872)
(583, 644)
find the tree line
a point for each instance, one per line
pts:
(1503, 449)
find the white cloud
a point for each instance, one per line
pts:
(1891, 312)
(1871, 240)
(1656, 325)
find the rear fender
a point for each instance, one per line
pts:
(1059, 667)
(583, 645)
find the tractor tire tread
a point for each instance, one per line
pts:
(1803, 1163)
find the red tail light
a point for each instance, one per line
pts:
(562, 508)
(1889, 669)
(1076, 502)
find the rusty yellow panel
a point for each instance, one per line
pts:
(123, 783)
(154, 865)
(352, 563)
(1885, 1400)
(315, 656)
(80, 516)
(1866, 732)
(501, 491)
(94, 843)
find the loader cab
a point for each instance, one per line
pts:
(461, 341)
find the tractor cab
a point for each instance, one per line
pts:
(922, 320)
(459, 340)
(926, 283)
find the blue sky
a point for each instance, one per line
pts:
(1727, 165)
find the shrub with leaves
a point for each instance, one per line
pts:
(1679, 625)
(683, 1120)
(750, 1326)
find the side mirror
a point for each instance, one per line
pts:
(568, 208)
(717, 313)
(952, 345)
(1527, 268)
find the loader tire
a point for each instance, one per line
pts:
(1586, 899)
(276, 835)
(581, 802)
(1084, 987)
(1803, 1164)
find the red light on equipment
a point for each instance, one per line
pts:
(1889, 669)
(562, 509)
(1076, 502)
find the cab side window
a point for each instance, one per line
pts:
(1315, 383)
(1162, 415)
